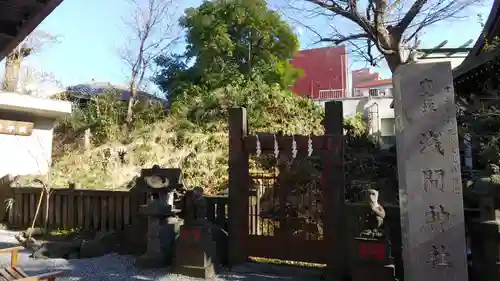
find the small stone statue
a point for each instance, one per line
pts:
(194, 209)
(488, 185)
(375, 217)
(200, 205)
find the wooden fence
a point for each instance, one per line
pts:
(91, 209)
(114, 210)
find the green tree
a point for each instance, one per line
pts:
(230, 41)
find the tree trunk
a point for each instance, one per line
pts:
(130, 111)
(11, 76)
(47, 207)
(393, 61)
(130, 107)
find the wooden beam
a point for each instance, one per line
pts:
(8, 28)
(22, 4)
(5, 37)
(445, 50)
(430, 51)
(285, 143)
(36, 18)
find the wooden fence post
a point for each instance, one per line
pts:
(334, 190)
(238, 187)
(72, 205)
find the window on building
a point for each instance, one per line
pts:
(387, 127)
(385, 92)
(373, 92)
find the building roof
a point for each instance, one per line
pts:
(478, 56)
(87, 90)
(376, 83)
(18, 18)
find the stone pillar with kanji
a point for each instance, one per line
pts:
(429, 173)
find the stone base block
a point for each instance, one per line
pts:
(366, 271)
(150, 261)
(207, 272)
(195, 255)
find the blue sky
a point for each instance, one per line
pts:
(91, 31)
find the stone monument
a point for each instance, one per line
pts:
(195, 249)
(430, 187)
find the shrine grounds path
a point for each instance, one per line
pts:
(114, 267)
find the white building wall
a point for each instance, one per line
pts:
(455, 59)
(351, 106)
(27, 155)
(365, 92)
(378, 108)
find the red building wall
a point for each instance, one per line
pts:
(324, 69)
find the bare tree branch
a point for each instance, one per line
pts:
(342, 39)
(390, 26)
(34, 43)
(410, 15)
(350, 12)
(153, 30)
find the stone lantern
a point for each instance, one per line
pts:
(160, 183)
(163, 223)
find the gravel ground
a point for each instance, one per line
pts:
(114, 267)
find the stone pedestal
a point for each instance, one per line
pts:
(373, 260)
(486, 250)
(157, 211)
(490, 249)
(169, 234)
(485, 241)
(194, 252)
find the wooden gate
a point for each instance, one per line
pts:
(294, 212)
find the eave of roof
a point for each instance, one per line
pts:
(477, 56)
(12, 34)
(375, 83)
(32, 105)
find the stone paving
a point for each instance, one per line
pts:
(114, 267)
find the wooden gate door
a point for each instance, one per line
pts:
(287, 216)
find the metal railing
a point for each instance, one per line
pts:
(330, 94)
